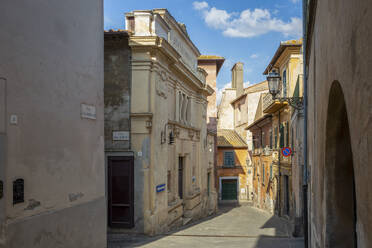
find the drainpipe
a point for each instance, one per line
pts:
(280, 176)
(305, 172)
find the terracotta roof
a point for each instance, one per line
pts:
(230, 138)
(283, 45)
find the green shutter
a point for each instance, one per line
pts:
(271, 139)
(276, 138)
(228, 159)
(287, 134)
(271, 171)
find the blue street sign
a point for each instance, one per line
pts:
(160, 188)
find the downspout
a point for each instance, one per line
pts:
(305, 172)
(280, 176)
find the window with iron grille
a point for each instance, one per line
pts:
(228, 159)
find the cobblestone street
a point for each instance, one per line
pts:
(233, 226)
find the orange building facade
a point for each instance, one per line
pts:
(232, 168)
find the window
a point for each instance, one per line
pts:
(276, 138)
(263, 173)
(130, 20)
(285, 83)
(271, 139)
(208, 183)
(287, 134)
(169, 179)
(228, 159)
(281, 145)
(271, 171)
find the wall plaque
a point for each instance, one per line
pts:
(88, 111)
(120, 135)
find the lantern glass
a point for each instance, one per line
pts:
(273, 80)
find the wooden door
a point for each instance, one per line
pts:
(121, 192)
(229, 189)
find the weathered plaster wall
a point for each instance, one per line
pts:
(211, 69)
(117, 70)
(340, 48)
(226, 110)
(168, 100)
(52, 59)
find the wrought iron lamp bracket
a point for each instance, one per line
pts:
(295, 102)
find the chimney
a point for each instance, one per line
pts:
(237, 78)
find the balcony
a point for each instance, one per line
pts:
(270, 106)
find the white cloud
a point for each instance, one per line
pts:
(200, 5)
(248, 23)
(295, 1)
(246, 84)
(254, 56)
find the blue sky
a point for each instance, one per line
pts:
(248, 31)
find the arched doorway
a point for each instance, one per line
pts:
(339, 175)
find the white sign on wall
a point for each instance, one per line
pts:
(120, 135)
(88, 111)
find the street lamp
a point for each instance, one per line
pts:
(273, 80)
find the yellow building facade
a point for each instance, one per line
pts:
(288, 62)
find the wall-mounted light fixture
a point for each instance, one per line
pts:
(273, 80)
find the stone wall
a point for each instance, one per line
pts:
(339, 85)
(51, 131)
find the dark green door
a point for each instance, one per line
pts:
(229, 189)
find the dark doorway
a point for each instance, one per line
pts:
(180, 176)
(286, 195)
(339, 175)
(229, 189)
(120, 192)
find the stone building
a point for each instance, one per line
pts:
(338, 45)
(237, 110)
(52, 178)
(287, 61)
(231, 165)
(172, 164)
(212, 65)
(264, 175)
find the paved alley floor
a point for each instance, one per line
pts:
(234, 226)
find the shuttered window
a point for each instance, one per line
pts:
(228, 159)
(271, 139)
(281, 145)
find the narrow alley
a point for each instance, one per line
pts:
(233, 226)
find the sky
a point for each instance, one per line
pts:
(247, 31)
